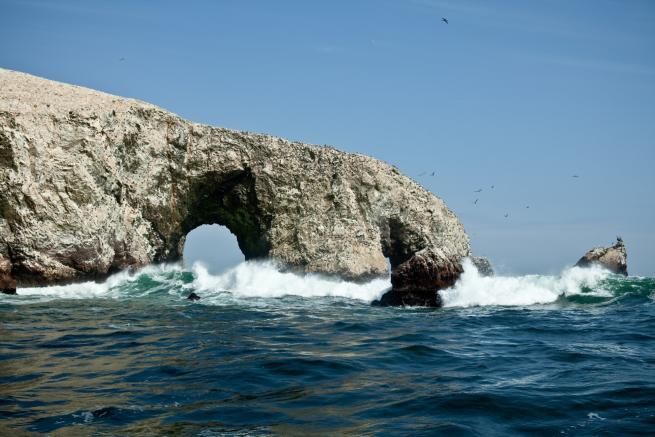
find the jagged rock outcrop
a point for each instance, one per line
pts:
(416, 281)
(92, 183)
(613, 258)
(483, 265)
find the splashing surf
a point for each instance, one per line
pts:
(264, 280)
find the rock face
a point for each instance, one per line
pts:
(92, 183)
(613, 258)
(416, 281)
(7, 281)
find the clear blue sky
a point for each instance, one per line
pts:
(516, 94)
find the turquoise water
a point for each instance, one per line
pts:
(269, 353)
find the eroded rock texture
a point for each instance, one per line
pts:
(92, 183)
(613, 258)
(416, 282)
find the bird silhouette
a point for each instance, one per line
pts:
(432, 174)
(445, 20)
(476, 202)
(506, 215)
(527, 206)
(492, 187)
(575, 176)
(478, 190)
(121, 59)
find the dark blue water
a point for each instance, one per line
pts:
(136, 358)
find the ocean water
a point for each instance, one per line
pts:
(271, 353)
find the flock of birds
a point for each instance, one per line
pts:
(479, 190)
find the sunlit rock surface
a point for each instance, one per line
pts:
(92, 183)
(613, 258)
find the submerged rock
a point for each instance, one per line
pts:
(193, 296)
(410, 298)
(613, 258)
(91, 184)
(483, 265)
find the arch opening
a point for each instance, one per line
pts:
(229, 200)
(214, 246)
(223, 224)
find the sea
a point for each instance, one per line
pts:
(267, 352)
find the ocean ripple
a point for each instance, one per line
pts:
(571, 354)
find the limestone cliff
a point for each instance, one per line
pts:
(92, 183)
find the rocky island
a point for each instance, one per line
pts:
(613, 258)
(91, 184)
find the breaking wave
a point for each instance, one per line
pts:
(250, 279)
(263, 280)
(472, 289)
(147, 280)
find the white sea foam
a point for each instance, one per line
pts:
(264, 279)
(472, 289)
(112, 287)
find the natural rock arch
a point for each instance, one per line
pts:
(228, 200)
(92, 183)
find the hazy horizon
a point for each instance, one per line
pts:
(515, 95)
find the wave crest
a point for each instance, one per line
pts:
(472, 289)
(115, 286)
(264, 279)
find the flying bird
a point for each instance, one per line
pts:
(575, 176)
(506, 215)
(476, 201)
(445, 20)
(492, 187)
(121, 59)
(478, 190)
(432, 174)
(527, 206)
